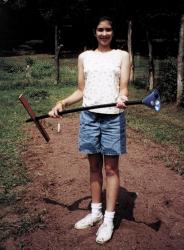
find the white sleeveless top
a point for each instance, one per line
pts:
(102, 78)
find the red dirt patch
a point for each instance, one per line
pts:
(150, 212)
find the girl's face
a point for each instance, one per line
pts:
(104, 33)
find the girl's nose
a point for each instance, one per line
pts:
(104, 32)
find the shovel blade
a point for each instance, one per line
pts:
(153, 100)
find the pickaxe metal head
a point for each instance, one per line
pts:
(33, 117)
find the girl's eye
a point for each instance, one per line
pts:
(106, 29)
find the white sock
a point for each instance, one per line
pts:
(109, 217)
(96, 209)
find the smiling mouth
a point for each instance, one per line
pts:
(104, 38)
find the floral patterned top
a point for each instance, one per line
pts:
(102, 78)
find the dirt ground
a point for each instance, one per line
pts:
(150, 210)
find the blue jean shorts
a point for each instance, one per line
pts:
(102, 133)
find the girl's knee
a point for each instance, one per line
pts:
(110, 171)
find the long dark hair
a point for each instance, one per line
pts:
(104, 18)
(93, 41)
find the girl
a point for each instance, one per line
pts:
(103, 76)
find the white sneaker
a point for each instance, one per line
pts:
(88, 221)
(104, 233)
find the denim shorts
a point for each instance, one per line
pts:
(102, 133)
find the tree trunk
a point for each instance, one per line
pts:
(150, 63)
(180, 64)
(130, 50)
(57, 52)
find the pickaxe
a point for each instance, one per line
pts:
(152, 100)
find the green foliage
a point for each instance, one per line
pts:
(24, 225)
(10, 67)
(139, 84)
(167, 82)
(29, 61)
(7, 198)
(69, 75)
(38, 94)
(29, 223)
(36, 72)
(42, 69)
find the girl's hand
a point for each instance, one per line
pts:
(121, 102)
(57, 108)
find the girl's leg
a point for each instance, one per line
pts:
(112, 181)
(96, 178)
(105, 231)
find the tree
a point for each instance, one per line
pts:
(151, 62)
(52, 13)
(180, 64)
(130, 50)
(58, 47)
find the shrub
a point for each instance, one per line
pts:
(29, 61)
(139, 84)
(167, 82)
(38, 94)
(10, 67)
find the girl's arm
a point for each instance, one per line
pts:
(76, 96)
(124, 80)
